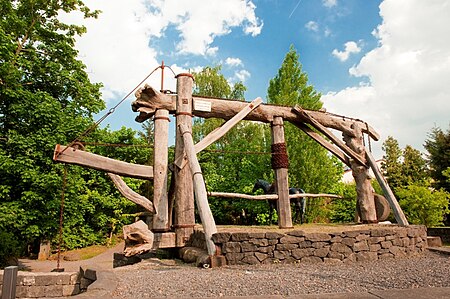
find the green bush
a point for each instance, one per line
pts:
(424, 205)
(343, 210)
(10, 247)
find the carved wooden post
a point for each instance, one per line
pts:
(280, 164)
(364, 190)
(160, 160)
(184, 193)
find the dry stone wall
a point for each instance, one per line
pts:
(51, 284)
(298, 246)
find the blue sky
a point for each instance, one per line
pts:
(384, 61)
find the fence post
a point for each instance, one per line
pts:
(9, 282)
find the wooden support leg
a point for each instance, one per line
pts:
(281, 177)
(364, 190)
(160, 161)
(184, 219)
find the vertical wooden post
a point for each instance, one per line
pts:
(201, 198)
(281, 175)
(9, 282)
(184, 219)
(364, 190)
(160, 161)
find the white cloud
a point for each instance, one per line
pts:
(117, 48)
(350, 47)
(233, 61)
(408, 91)
(312, 26)
(242, 75)
(329, 3)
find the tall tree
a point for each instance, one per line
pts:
(311, 167)
(391, 165)
(438, 147)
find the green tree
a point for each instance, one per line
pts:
(391, 165)
(311, 166)
(438, 147)
(414, 167)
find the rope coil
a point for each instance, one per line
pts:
(280, 158)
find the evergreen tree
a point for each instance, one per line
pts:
(311, 167)
(391, 165)
(438, 147)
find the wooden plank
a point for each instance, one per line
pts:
(270, 196)
(9, 282)
(184, 219)
(160, 162)
(201, 198)
(323, 142)
(281, 179)
(130, 194)
(148, 100)
(398, 212)
(327, 133)
(78, 157)
(222, 130)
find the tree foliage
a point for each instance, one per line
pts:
(438, 147)
(311, 166)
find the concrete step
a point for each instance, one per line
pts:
(434, 241)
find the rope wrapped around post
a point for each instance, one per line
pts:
(280, 158)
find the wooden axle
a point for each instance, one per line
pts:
(270, 196)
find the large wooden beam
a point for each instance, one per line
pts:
(160, 162)
(398, 212)
(71, 155)
(201, 198)
(220, 131)
(148, 100)
(184, 219)
(270, 196)
(323, 142)
(130, 194)
(327, 133)
(281, 177)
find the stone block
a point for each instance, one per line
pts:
(317, 237)
(335, 255)
(390, 237)
(280, 254)
(336, 239)
(261, 235)
(84, 283)
(53, 291)
(434, 241)
(397, 242)
(362, 237)
(231, 247)
(332, 261)
(385, 256)
(354, 233)
(397, 251)
(70, 290)
(237, 237)
(366, 256)
(234, 258)
(360, 246)
(90, 274)
(305, 244)
(44, 250)
(46, 279)
(380, 232)
(303, 252)
(75, 278)
(351, 258)
(286, 246)
(321, 252)
(246, 246)
(386, 244)
(291, 240)
(374, 247)
(221, 237)
(320, 244)
(36, 291)
(296, 233)
(272, 241)
(341, 248)
(267, 249)
(374, 240)
(348, 241)
(311, 260)
(259, 242)
(274, 235)
(27, 279)
(261, 256)
(251, 260)
(21, 291)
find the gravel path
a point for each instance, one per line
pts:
(153, 279)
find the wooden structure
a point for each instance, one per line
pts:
(187, 179)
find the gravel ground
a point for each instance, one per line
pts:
(155, 279)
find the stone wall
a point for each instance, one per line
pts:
(296, 246)
(51, 284)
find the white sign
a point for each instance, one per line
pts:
(202, 106)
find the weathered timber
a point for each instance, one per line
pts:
(398, 212)
(184, 219)
(270, 196)
(138, 238)
(222, 130)
(160, 162)
(201, 198)
(327, 133)
(364, 190)
(131, 195)
(323, 142)
(78, 157)
(148, 100)
(281, 179)
(164, 240)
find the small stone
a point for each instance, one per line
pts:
(237, 237)
(317, 237)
